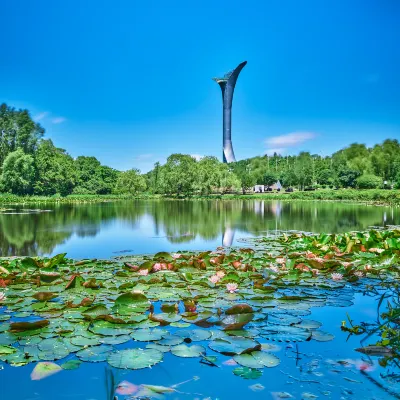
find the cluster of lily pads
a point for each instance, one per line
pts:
(214, 306)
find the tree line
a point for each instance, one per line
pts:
(31, 164)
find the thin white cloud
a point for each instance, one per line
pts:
(41, 115)
(58, 120)
(289, 140)
(197, 157)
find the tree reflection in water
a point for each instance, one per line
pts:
(182, 221)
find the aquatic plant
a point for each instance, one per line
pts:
(161, 304)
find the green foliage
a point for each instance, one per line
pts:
(369, 182)
(130, 182)
(55, 170)
(19, 131)
(18, 173)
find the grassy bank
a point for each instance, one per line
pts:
(375, 196)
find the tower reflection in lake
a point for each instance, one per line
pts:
(102, 230)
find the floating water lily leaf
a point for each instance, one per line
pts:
(257, 359)
(71, 364)
(247, 373)
(165, 318)
(28, 326)
(239, 309)
(163, 256)
(233, 345)
(7, 350)
(44, 296)
(58, 259)
(285, 333)
(160, 347)
(114, 339)
(309, 324)
(236, 321)
(148, 335)
(108, 329)
(44, 369)
(135, 358)
(95, 353)
(321, 336)
(182, 350)
(170, 340)
(85, 341)
(195, 335)
(96, 311)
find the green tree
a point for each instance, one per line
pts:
(369, 182)
(178, 175)
(55, 170)
(18, 173)
(269, 178)
(17, 131)
(130, 182)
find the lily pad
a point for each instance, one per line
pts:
(247, 373)
(135, 358)
(182, 350)
(44, 369)
(257, 359)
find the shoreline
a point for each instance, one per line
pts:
(376, 197)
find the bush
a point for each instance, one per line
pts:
(369, 182)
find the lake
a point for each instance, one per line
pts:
(104, 230)
(322, 367)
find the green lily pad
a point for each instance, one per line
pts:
(247, 373)
(321, 336)
(135, 358)
(71, 364)
(233, 345)
(148, 335)
(257, 359)
(95, 353)
(182, 350)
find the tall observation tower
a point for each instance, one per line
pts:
(227, 85)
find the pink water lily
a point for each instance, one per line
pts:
(126, 388)
(280, 260)
(157, 267)
(315, 271)
(176, 255)
(214, 279)
(231, 287)
(144, 272)
(220, 274)
(359, 274)
(336, 276)
(367, 267)
(2, 296)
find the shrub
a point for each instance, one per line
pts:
(369, 182)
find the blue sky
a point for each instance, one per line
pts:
(130, 81)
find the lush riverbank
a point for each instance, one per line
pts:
(373, 196)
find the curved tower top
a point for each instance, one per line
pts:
(227, 84)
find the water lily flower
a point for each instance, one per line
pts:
(231, 287)
(126, 388)
(157, 267)
(309, 254)
(214, 279)
(359, 274)
(144, 272)
(2, 296)
(336, 276)
(315, 271)
(367, 267)
(280, 260)
(346, 264)
(375, 250)
(220, 274)
(176, 256)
